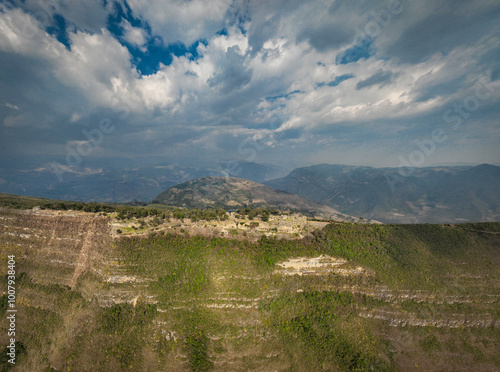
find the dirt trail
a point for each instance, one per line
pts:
(53, 234)
(82, 261)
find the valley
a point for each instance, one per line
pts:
(423, 195)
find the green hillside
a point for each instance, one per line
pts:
(362, 297)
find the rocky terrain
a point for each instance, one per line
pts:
(285, 226)
(233, 193)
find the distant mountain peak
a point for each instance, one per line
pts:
(233, 193)
(438, 194)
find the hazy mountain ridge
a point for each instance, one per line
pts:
(117, 185)
(433, 194)
(445, 194)
(234, 193)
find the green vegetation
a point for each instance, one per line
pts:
(4, 358)
(125, 212)
(263, 213)
(118, 318)
(3, 304)
(194, 323)
(408, 256)
(125, 327)
(27, 202)
(425, 295)
(430, 343)
(318, 329)
(178, 263)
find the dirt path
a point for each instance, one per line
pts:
(52, 238)
(82, 261)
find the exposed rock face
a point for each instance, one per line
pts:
(322, 265)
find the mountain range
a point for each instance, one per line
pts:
(425, 195)
(445, 194)
(117, 185)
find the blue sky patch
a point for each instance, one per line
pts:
(222, 32)
(359, 51)
(58, 29)
(148, 61)
(115, 20)
(338, 79)
(286, 96)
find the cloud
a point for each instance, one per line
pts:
(380, 78)
(233, 75)
(428, 27)
(75, 117)
(136, 36)
(89, 16)
(195, 79)
(13, 107)
(181, 21)
(97, 64)
(326, 36)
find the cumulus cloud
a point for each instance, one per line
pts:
(95, 63)
(184, 21)
(136, 36)
(75, 117)
(234, 75)
(89, 15)
(282, 73)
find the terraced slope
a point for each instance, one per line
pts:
(346, 297)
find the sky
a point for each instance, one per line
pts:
(99, 83)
